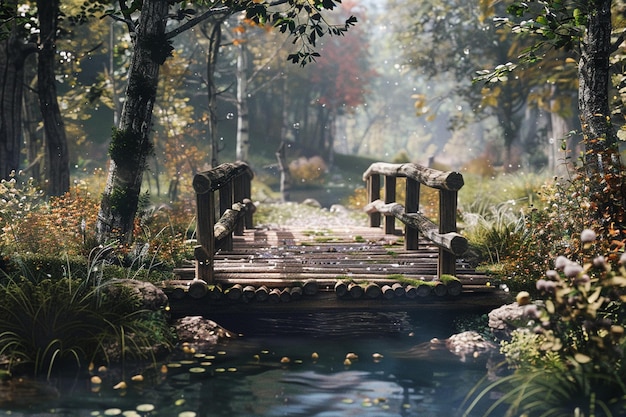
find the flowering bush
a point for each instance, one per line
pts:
(308, 170)
(568, 355)
(583, 317)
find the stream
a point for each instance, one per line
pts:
(290, 365)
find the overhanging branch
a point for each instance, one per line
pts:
(192, 22)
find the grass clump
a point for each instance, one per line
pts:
(50, 324)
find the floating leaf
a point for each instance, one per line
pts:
(145, 408)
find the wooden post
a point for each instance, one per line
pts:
(205, 206)
(390, 197)
(447, 223)
(411, 203)
(373, 194)
(246, 184)
(238, 195)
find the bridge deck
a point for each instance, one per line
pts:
(314, 261)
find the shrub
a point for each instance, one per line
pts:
(308, 170)
(567, 358)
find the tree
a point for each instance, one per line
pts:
(58, 155)
(130, 142)
(14, 49)
(585, 27)
(473, 41)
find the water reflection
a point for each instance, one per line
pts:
(249, 376)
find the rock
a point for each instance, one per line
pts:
(153, 298)
(503, 320)
(338, 208)
(200, 333)
(312, 202)
(469, 345)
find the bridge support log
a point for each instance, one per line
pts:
(451, 241)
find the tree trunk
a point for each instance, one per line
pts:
(602, 160)
(130, 144)
(31, 119)
(13, 53)
(243, 132)
(58, 175)
(214, 34)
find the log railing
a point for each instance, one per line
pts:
(445, 236)
(233, 212)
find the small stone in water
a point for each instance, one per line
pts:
(285, 359)
(136, 378)
(352, 356)
(315, 356)
(347, 362)
(96, 380)
(112, 412)
(187, 414)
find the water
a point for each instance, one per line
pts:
(250, 376)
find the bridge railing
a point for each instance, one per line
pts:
(444, 236)
(216, 221)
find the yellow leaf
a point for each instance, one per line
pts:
(581, 358)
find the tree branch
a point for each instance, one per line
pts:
(617, 43)
(127, 19)
(192, 22)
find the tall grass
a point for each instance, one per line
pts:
(52, 323)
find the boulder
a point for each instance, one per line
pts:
(200, 333)
(503, 320)
(152, 297)
(467, 347)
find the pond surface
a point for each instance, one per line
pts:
(283, 366)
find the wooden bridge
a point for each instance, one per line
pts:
(242, 268)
